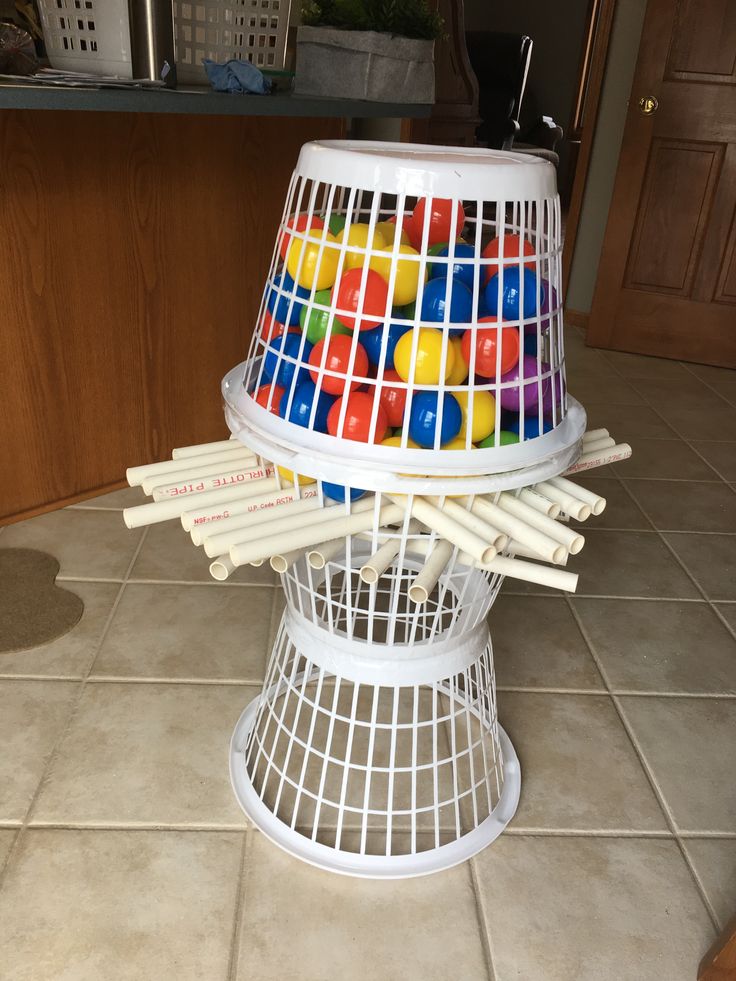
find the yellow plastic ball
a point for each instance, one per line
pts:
(459, 373)
(428, 357)
(387, 229)
(397, 441)
(319, 266)
(358, 234)
(483, 421)
(293, 478)
(458, 443)
(406, 283)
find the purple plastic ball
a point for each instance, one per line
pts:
(511, 397)
(549, 303)
(554, 391)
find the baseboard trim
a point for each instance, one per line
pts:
(578, 318)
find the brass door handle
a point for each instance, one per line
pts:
(648, 105)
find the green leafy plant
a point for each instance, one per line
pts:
(407, 18)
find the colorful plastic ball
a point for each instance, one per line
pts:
(316, 323)
(485, 340)
(549, 303)
(531, 427)
(428, 362)
(398, 441)
(438, 213)
(300, 411)
(505, 438)
(280, 369)
(434, 306)
(338, 359)
(300, 225)
(555, 390)
(312, 262)
(359, 236)
(338, 492)
(464, 271)
(387, 231)
(269, 397)
(406, 279)
(458, 443)
(511, 244)
(292, 478)
(271, 328)
(282, 306)
(393, 399)
(531, 344)
(348, 294)
(357, 423)
(459, 373)
(336, 224)
(511, 397)
(511, 300)
(483, 419)
(423, 418)
(372, 341)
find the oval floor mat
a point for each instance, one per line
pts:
(33, 609)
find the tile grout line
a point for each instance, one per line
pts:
(484, 929)
(647, 768)
(234, 952)
(72, 714)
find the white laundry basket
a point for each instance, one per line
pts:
(94, 35)
(375, 748)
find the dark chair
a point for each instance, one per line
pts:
(500, 62)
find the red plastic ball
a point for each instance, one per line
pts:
(346, 297)
(357, 424)
(393, 400)
(271, 328)
(440, 221)
(511, 245)
(272, 392)
(486, 341)
(338, 359)
(300, 225)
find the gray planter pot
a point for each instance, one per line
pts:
(363, 65)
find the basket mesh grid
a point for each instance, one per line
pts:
(378, 770)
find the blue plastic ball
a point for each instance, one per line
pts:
(372, 341)
(511, 300)
(301, 406)
(531, 427)
(530, 344)
(289, 344)
(278, 305)
(460, 270)
(337, 492)
(423, 418)
(461, 303)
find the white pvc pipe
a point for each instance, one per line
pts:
(546, 547)
(320, 555)
(517, 550)
(448, 528)
(598, 444)
(221, 568)
(570, 539)
(376, 565)
(136, 475)
(284, 561)
(151, 514)
(593, 434)
(312, 535)
(195, 470)
(242, 474)
(426, 580)
(249, 499)
(539, 503)
(185, 452)
(217, 544)
(543, 575)
(600, 458)
(472, 522)
(569, 504)
(596, 502)
(250, 512)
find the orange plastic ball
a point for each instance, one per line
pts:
(357, 423)
(393, 399)
(485, 340)
(339, 350)
(511, 245)
(348, 292)
(438, 212)
(269, 397)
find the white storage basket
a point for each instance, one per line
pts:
(94, 35)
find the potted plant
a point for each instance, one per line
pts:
(378, 50)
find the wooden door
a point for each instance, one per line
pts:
(667, 276)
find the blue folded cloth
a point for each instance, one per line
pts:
(236, 76)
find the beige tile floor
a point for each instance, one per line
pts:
(124, 855)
